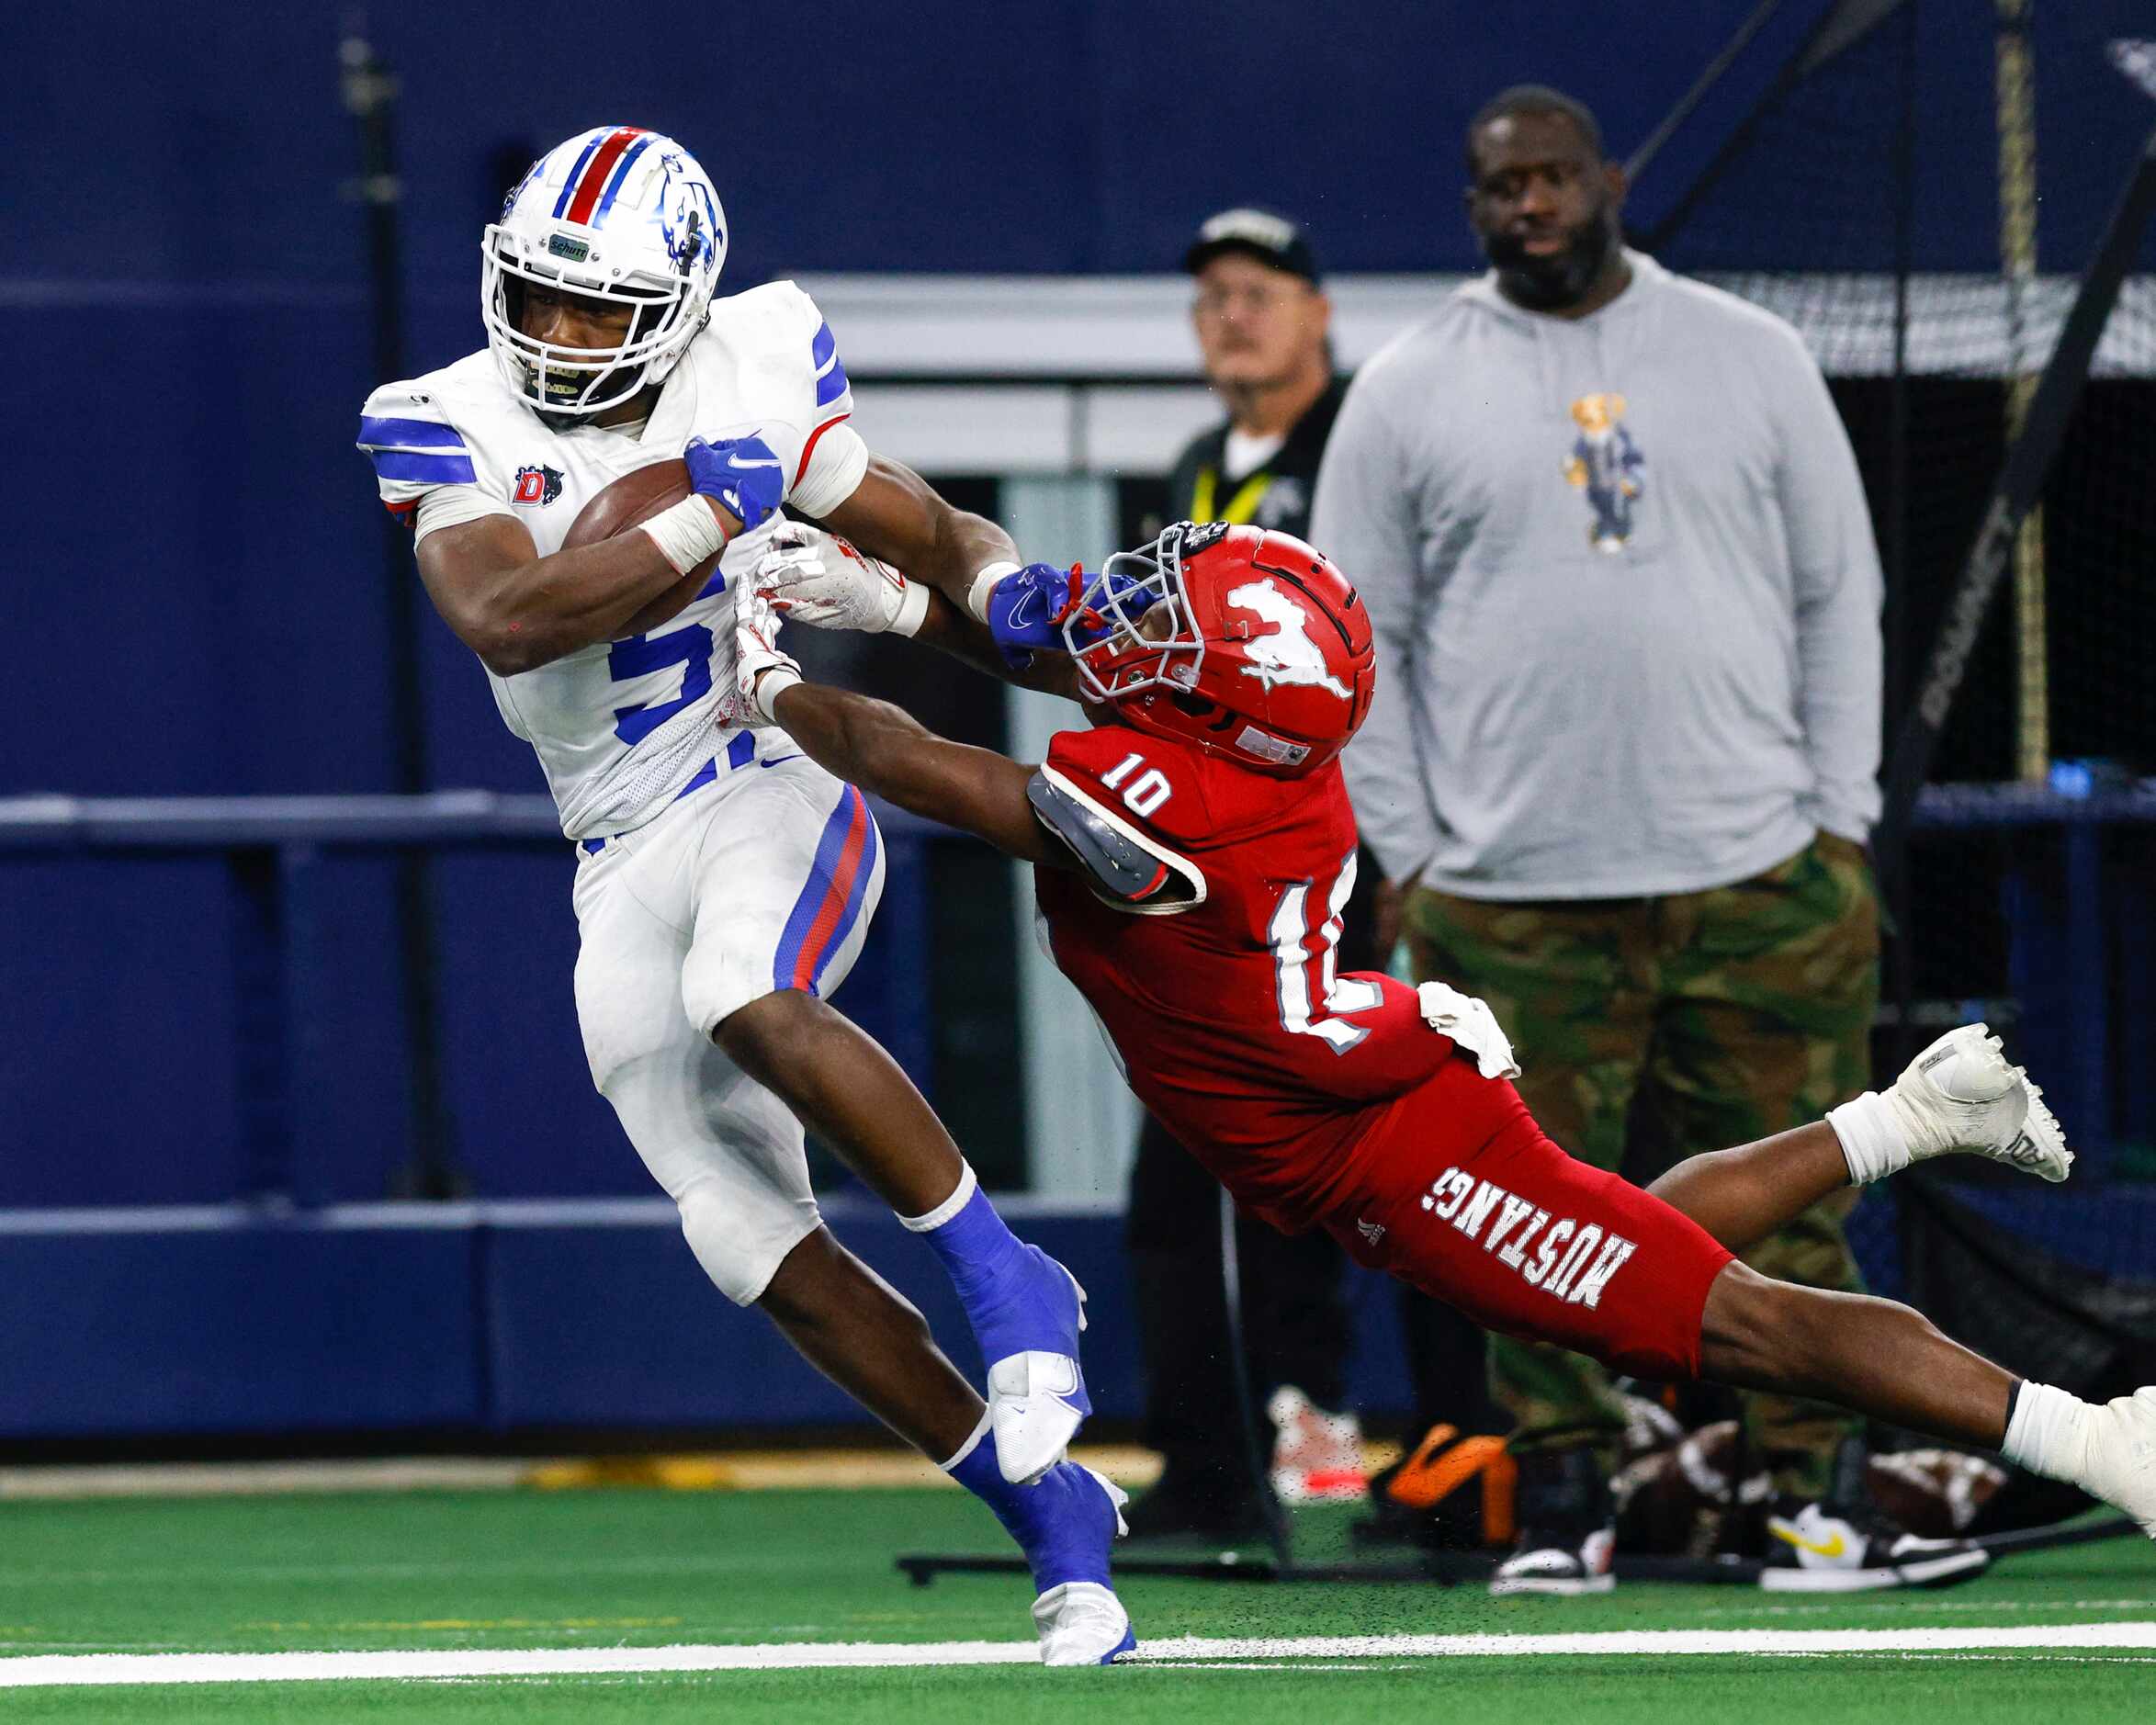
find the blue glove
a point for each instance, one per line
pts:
(1027, 610)
(743, 473)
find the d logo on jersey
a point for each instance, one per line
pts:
(1288, 655)
(537, 484)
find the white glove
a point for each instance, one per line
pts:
(817, 577)
(1470, 1024)
(762, 669)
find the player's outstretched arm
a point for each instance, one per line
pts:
(896, 515)
(949, 629)
(886, 750)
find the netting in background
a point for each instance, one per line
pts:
(1858, 145)
(1849, 149)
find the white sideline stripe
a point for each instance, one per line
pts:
(48, 1669)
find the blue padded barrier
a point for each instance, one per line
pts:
(214, 1320)
(496, 1319)
(600, 1315)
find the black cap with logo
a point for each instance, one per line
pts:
(1271, 239)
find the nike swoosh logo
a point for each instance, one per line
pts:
(1833, 1548)
(776, 759)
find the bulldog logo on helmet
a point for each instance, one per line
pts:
(1288, 655)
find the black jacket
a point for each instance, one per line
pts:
(1276, 494)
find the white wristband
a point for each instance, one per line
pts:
(687, 533)
(976, 597)
(770, 686)
(913, 610)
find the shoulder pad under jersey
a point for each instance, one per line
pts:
(1124, 868)
(427, 432)
(777, 324)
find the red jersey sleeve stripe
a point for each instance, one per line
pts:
(808, 449)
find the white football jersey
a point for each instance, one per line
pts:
(621, 727)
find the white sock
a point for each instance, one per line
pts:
(968, 1185)
(1873, 1141)
(2049, 1433)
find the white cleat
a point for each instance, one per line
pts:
(1082, 1623)
(1961, 1094)
(1033, 1412)
(2119, 1462)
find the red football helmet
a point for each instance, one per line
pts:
(1252, 645)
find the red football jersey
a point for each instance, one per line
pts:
(1201, 925)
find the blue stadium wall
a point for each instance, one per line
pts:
(193, 551)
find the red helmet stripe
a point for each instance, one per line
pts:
(597, 169)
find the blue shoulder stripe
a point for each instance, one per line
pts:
(404, 464)
(408, 433)
(825, 345)
(831, 385)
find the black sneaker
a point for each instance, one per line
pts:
(1825, 1548)
(1842, 1544)
(1568, 1534)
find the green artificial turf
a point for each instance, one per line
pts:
(640, 1568)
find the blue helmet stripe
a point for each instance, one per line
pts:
(831, 385)
(825, 345)
(577, 172)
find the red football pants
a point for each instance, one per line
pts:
(1463, 1197)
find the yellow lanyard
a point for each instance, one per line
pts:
(1241, 508)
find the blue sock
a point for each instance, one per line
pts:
(971, 1239)
(1056, 1523)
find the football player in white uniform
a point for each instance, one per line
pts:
(725, 882)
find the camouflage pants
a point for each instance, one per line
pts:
(1652, 1029)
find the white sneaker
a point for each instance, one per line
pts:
(1822, 1550)
(1316, 1455)
(2119, 1462)
(1960, 1094)
(1561, 1563)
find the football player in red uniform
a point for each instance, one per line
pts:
(1192, 849)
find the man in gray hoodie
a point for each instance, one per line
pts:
(1623, 757)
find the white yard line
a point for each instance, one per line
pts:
(42, 1670)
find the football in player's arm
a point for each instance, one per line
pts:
(1210, 662)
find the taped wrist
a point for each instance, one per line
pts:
(913, 610)
(686, 535)
(770, 686)
(976, 597)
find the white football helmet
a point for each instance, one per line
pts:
(616, 213)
